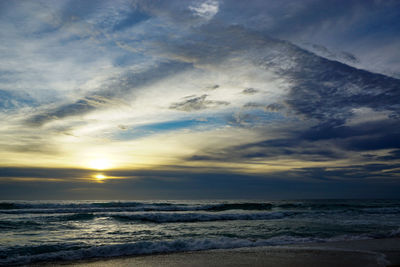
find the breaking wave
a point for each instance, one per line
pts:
(71, 252)
(199, 217)
(93, 207)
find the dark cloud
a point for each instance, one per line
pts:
(214, 87)
(197, 103)
(381, 141)
(318, 143)
(372, 128)
(375, 135)
(392, 155)
(366, 171)
(200, 158)
(250, 91)
(274, 107)
(328, 90)
(287, 18)
(44, 173)
(325, 52)
(80, 107)
(252, 105)
(367, 29)
(272, 150)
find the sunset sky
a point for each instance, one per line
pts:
(199, 99)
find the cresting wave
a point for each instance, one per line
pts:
(9, 207)
(153, 217)
(25, 207)
(62, 252)
(68, 253)
(199, 217)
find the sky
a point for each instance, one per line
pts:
(201, 99)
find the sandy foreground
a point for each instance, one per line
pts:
(376, 252)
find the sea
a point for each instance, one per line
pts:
(61, 231)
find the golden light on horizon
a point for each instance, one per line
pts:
(100, 164)
(100, 177)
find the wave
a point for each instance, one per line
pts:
(14, 225)
(7, 206)
(199, 217)
(138, 205)
(43, 222)
(77, 217)
(153, 217)
(71, 252)
(41, 208)
(117, 206)
(393, 210)
(63, 252)
(239, 206)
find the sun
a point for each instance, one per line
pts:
(100, 164)
(100, 177)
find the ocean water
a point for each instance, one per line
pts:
(43, 231)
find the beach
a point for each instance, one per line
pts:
(373, 252)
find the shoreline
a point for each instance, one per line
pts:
(369, 252)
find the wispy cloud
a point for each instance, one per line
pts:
(244, 88)
(197, 103)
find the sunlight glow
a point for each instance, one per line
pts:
(100, 164)
(100, 177)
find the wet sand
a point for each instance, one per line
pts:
(376, 252)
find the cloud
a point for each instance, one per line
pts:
(273, 149)
(392, 155)
(206, 9)
(80, 107)
(344, 57)
(355, 27)
(252, 105)
(366, 171)
(250, 91)
(274, 107)
(330, 92)
(110, 94)
(213, 87)
(83, 80)
(197, 103)
(44, 173)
